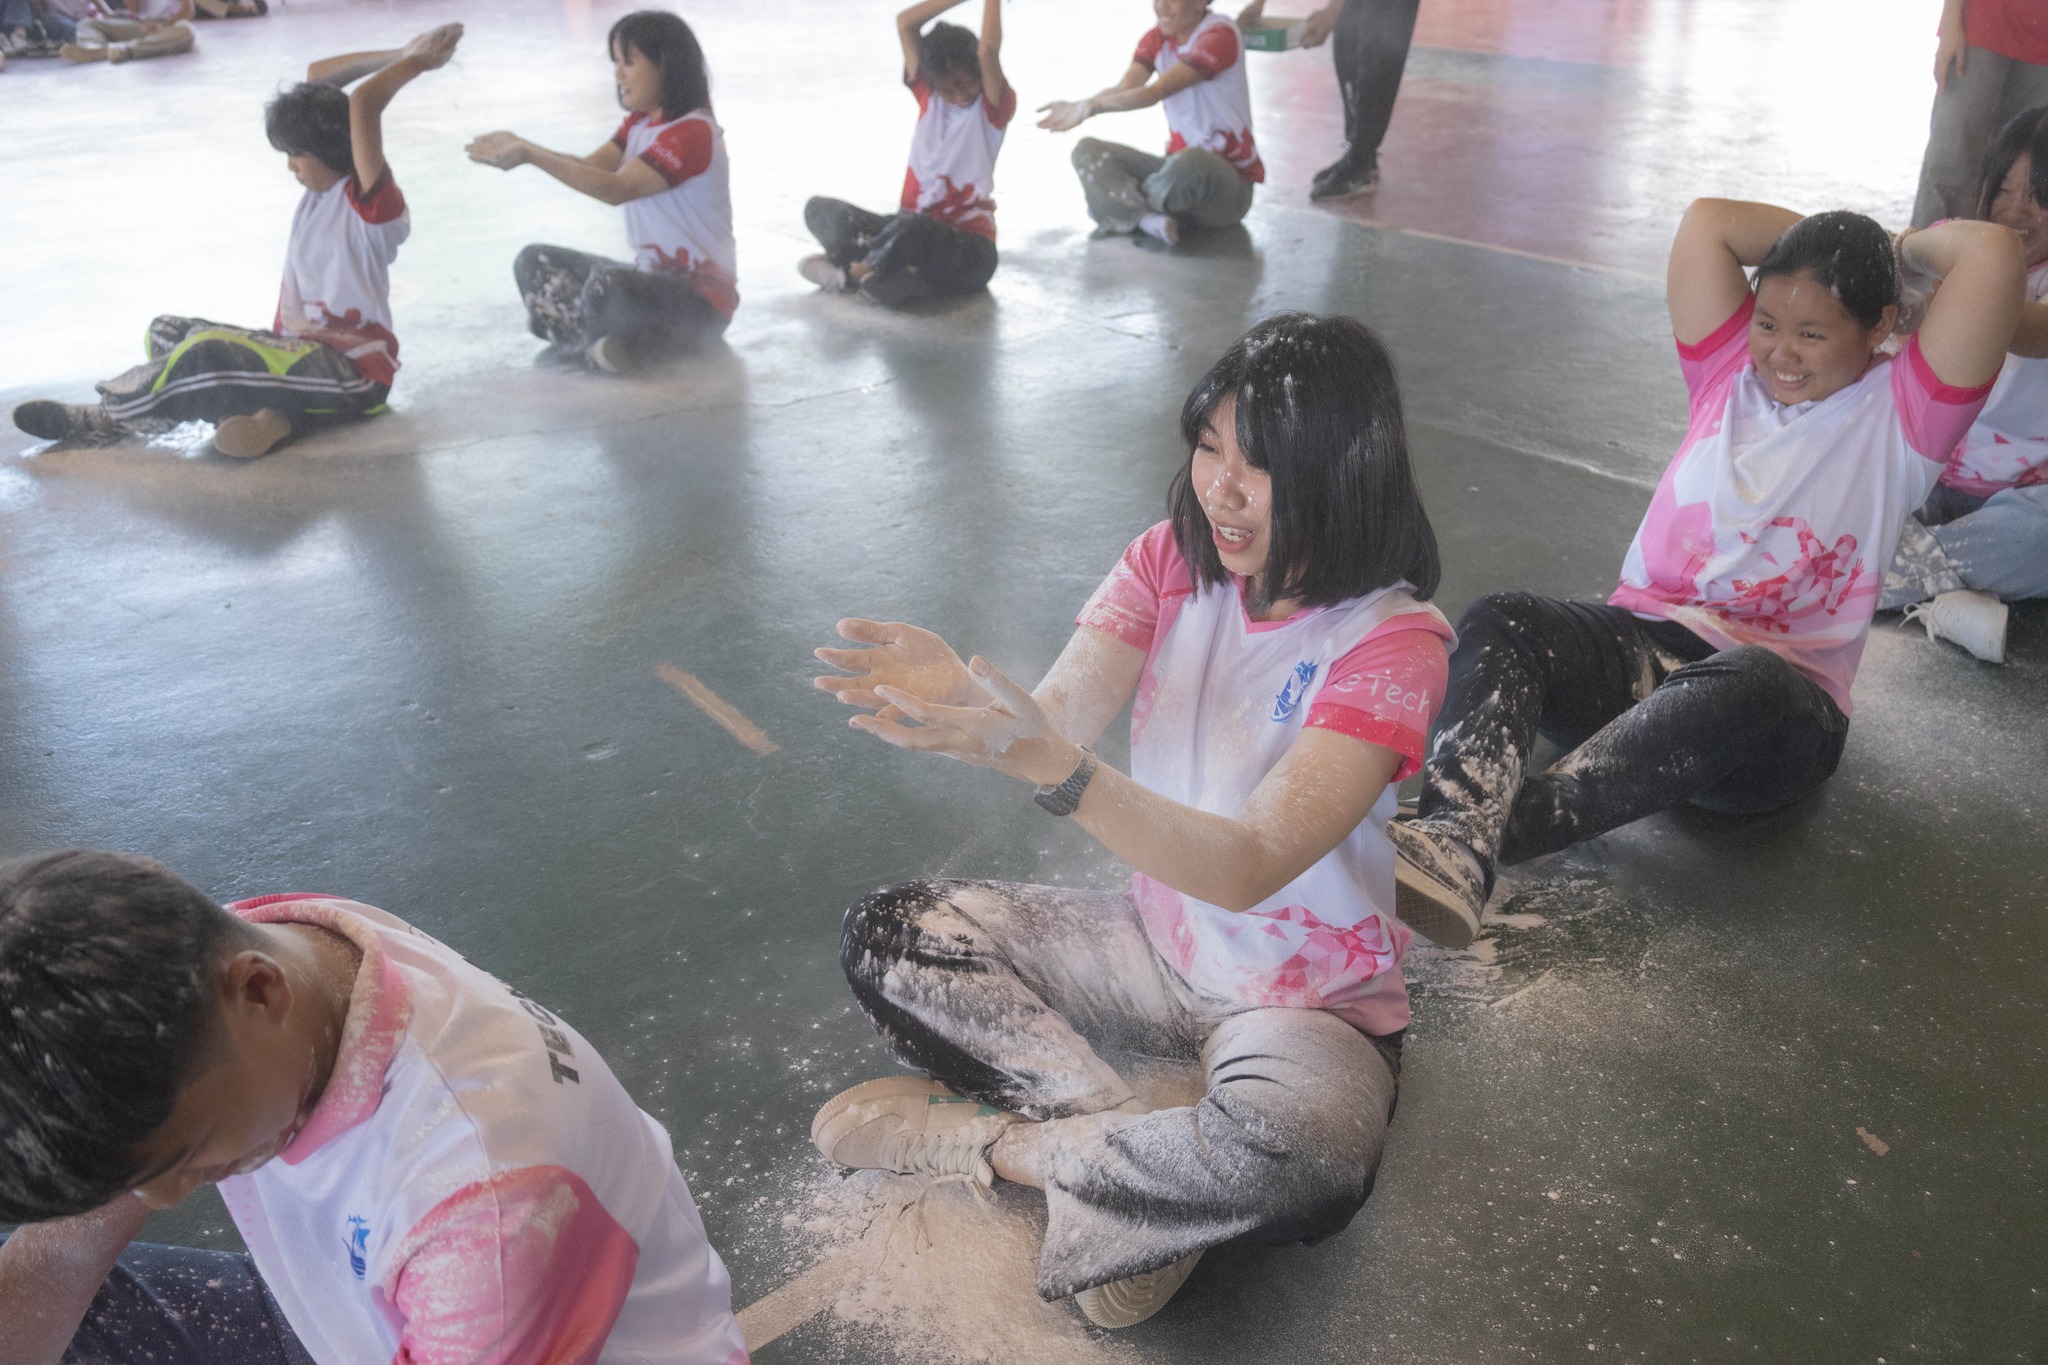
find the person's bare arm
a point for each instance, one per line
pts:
(2030, 334)
(1972, 318)
(1951, 51)
(49, 1273)
(910, 27)
(1090, 683)
(1704, 283)
(619, 182)
(367, 102)
(1137, 90)
(995, 87)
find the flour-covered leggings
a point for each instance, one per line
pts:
(1194, 186)
(1654, 716)
(1003, 992)
(573, 298)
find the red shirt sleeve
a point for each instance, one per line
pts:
(1935, 415)
(1127, 603)
(619, 138)
(383, 204)
(1001, 114)
(1149, 48)
(921, 90)
(681, 150)
(1216, 50)
(1387, 690)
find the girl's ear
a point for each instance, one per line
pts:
(1887, 322)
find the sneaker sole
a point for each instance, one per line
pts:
(1432, 909)
(843, 1103)
(245, 438)
(1128, 1302)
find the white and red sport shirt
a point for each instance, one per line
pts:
(337, 272)
(1221, 699)
(474, 1186)
(686, 229)
(2007, 446)
(1773, 525)
(952, 171)
(1215, 112)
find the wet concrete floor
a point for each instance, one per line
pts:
(1714, 1090)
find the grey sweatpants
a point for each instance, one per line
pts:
(1004, 992)
(1194, 185)
(1975, 103)
(1998, 545)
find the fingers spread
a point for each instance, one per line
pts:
(869, 632)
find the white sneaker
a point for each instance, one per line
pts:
(912, 1126)
(1974, 620)
(820, 271)
(610, 355)
(1127, 1302)
(1439, 887)
(1162, 226)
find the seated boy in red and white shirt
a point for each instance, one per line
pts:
(330, 355)
(942, 240)
(1193, 63)
(425, 1165)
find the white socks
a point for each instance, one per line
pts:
(1162, 226)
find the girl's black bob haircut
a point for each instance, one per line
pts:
(665, 40)
(2023, 135)
(948, 49)
(1849, 254)
(311, 119)
(1318, 409)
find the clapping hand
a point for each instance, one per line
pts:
(1007, 730)
(503, 150)
(433, 48)
(1064, 115)
(905, 657)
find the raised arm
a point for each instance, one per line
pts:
(995, 87)
(383, 75)
(1704, 283)
(49, 1273)
(910, 27)
(1137, 90)
(1972, 318)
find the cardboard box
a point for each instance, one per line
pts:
(1273, 35)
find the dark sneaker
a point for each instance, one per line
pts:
(1439, 887)
(1346, 180)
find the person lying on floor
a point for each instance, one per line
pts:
(425, 1164)
(330, 356)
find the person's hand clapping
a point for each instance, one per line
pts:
(1064, 115)
(902, 656)
(1011, 733)
(1319, 26)
(503, 150)
(433, 48)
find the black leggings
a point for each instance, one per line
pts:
(573, 298)
(1370, 50)
(913, 255)
(1654, 717)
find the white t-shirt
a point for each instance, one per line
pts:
(1773, 525)
(474, 1186)
(337, 272)
(686, 229)
(952, 171)
(2007, 446)
(1220, 700)
(1217, 112)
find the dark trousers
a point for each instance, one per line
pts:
(913, 255)
(177, 1306)
(1370, 51)
(1653, 716)
(204, 371)
(573, 298)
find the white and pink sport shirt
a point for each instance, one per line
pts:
(337, 272)
(952, 171)
(686, 229)
(1221, 699)
(474, 1186)
(1773, 525)
(1215, 112)
(2007, 446)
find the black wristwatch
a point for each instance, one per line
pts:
(1062, 799)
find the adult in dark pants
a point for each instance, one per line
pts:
(1369, 42)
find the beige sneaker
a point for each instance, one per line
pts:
(259, 433)
(79, 52)
(912, 1126)
(1127, 1302)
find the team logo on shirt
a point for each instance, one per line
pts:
(358, 1245)
(1295, 689)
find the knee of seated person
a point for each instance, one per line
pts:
(1087, 152)
(528, 260)
(1493, 615)
(881, 923)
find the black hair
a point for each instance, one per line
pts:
(2023, 135)
(946, 49)
(106, 1010)
(1848, 254)
(311, 119)
(1318, 409)
(665, 40)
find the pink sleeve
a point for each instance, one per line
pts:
(524, 1268)
(1387, 690)
(1935, 415)
(1148, 48)
(1127, 603)
(1215, 51)
(680, 151)
(1716, 355)
(382, 204)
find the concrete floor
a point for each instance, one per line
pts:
(416, 662)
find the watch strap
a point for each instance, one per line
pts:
(1062, 799)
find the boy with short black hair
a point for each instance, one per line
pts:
(424, 1164)
(330, 355)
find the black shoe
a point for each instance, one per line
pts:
(49, 420)
(1346, 179)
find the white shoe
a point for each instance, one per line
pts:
(258, 433)
(610, 355)
(912, 1126)
(820, 271)
(1974, 620)
(1439, 887)
(1162, 226)
(1127, 1302)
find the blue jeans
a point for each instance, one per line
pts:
(47, 27)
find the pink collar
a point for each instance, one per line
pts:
(379, 1007)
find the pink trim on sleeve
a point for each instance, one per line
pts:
(1387, 689)
(1127, 604)
(1736, 325)
(1935, 415)
(523, 1268)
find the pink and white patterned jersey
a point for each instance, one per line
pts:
(687, 228)
(2007, 446)
(952, 171)
(1221, 699)
(1773, 524)
(474, 1186)
(337, 272)
(1215, 112)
